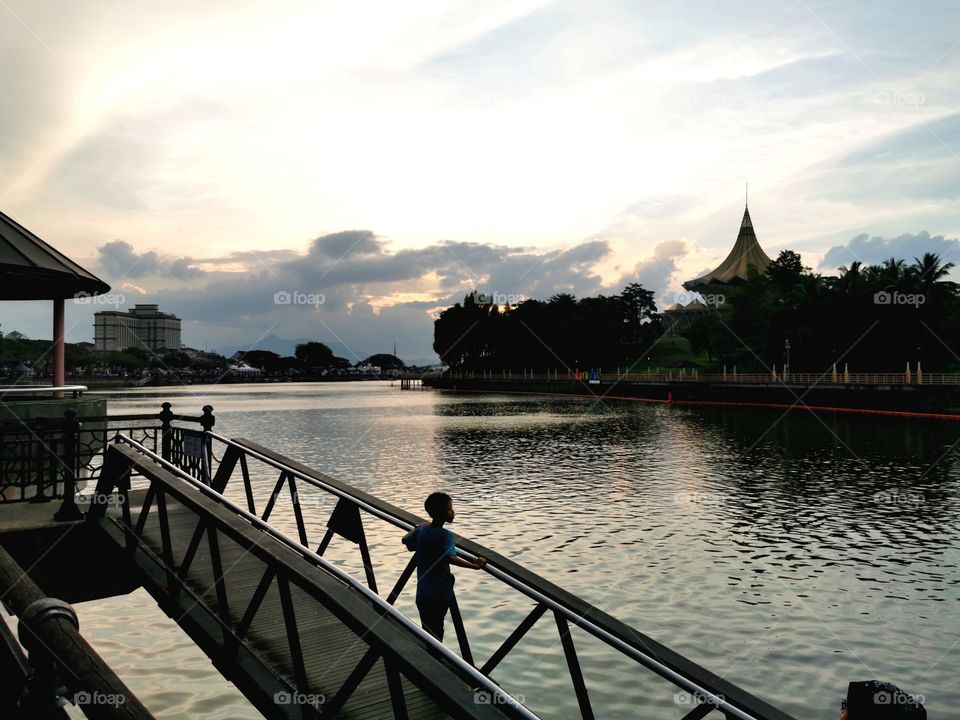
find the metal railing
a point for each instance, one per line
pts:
(62, 665)
(169, 484)
(16, 392)
(710, 691)
(692, 375)
(43, 459)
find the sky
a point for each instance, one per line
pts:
(342, 171)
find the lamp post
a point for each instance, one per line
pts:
(786, 349)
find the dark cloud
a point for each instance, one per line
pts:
(345, 244)
(873, 250)
(118, 260)
(351, 271)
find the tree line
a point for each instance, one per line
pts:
(308, 359)
(561, 332)
(872, 317)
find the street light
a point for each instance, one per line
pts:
(786, 348)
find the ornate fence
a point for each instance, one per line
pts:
(45, 459)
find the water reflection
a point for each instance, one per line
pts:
(787, 553)
(818, 529)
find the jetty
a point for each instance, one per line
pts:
(908, 394)
(165, 503)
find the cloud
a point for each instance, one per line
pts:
(344, 244)
(873, 250)
(118, 259)
(350, 288)
(655, 273)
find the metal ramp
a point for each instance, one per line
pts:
(298, 638)
(301, 637)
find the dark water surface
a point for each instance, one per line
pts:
(790, 554)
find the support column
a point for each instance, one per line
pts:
(58, 353)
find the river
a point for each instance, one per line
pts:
(790, 553)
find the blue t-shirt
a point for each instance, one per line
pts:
(433, 547)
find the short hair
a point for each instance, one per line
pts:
(436, 503)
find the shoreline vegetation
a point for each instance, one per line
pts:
(876, 318)
(24, 361)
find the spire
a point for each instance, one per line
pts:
(746, 253)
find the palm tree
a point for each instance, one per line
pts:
(851, 279)
(931, 269)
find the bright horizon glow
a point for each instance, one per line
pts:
(537, 125)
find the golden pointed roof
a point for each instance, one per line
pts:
(746, 253)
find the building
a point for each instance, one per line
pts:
(142, 327)
(746, 254)
(679, 316)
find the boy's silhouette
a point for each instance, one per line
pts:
(436, 550)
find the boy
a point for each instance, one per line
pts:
(436, 550)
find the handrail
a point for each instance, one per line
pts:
(50, 631)
(570, 614)
(774, 376)
(41, 389)
(502, 697)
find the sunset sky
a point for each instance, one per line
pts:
(393, 156)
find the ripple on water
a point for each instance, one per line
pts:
(789, 555)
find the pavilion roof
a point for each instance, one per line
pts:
(30, 269)
(746, 253)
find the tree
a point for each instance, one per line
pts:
(262, 359)
(314, 355)
(176, 359)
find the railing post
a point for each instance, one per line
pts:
(68, 509)
(207, 421)
(40, 459)
(166, 428)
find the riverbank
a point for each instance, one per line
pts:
(108, 383)
(934, 401)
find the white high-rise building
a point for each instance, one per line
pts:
(142, 327)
